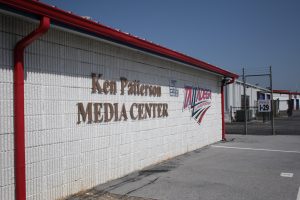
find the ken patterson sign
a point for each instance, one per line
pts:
(101, 112)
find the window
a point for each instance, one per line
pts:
(260, 96)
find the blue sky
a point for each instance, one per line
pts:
(231, 34)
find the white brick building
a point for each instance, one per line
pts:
(63, 156)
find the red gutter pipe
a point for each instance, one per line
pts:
(19, 120)
(223, 107)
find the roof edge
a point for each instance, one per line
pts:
(254, 86)
(70, 19)
(286, 92)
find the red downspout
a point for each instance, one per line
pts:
(19, 120)
(223, 107)
(222, 111)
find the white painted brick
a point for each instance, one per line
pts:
(63, 157)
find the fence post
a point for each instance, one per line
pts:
(272, 106)
(245, 107)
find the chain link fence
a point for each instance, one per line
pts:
(237, 114)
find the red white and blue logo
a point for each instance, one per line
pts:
(198, 100)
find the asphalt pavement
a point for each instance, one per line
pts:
(243, 168)
(258, 166)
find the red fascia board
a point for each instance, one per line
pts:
(295, 93)
(281, 91)
(38, 8)
(286, 92)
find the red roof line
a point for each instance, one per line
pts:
(286, 92)
(281, 91)
(38, 8)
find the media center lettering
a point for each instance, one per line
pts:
(99, 112)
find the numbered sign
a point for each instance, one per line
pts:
(264, 106)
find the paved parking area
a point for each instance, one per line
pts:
(244, 168)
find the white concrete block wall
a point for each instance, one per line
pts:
(63, 157)
(283, 100)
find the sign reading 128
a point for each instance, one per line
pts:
(264, 106)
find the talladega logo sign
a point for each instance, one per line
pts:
(198, 100)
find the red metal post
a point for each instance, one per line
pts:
(19, 120)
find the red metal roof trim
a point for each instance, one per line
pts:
(70, 19)
(295, 93)
(281, 91)
(286, 92)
